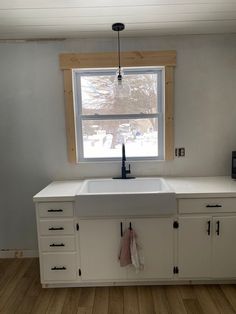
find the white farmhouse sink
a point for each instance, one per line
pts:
(125, 186)
(120, 197)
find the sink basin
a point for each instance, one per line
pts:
(119, 186)
(117, 197)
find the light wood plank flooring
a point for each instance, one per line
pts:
(21, 292)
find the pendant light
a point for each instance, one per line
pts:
(121, 86)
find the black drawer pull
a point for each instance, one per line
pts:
(218, 227)
(209, 227)
(58, 268)
(55, 210)
(54, 244)
(57, 228)
(217, 205)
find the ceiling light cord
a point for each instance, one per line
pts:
(119, 67)
(117, 27)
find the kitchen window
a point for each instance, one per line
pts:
(105, 119)
(97, 123)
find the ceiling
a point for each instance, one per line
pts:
(47, 19)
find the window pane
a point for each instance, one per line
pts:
(98, 96)
(104, 138)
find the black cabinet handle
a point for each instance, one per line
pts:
(57, 228)
(130, 226)
(218, 227)
(209, 227)
(58, 268)
(54, 244)
(55, 210)
(121, 229)
(211, 206)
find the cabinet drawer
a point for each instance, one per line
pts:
(207, 205)
(59, 266)
(57, 244)
(56, 227)
(55, 209)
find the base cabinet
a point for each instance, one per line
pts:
(99, 241)
(156, 238)
(57, 240)
(206, 247)
(80, 251)
(100, 244)
(194, 247)
(224, 247)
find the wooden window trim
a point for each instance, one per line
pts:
(69, 61)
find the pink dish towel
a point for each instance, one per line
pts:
(130, 251)
(125, 254)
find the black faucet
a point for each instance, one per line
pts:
(124, 171)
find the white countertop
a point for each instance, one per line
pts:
(198, 187)
(184, 187)
(65, 190)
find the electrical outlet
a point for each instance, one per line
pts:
(180, 152)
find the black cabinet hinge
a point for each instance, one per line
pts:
(175, 225)
(175, 270)
(79, 272)
(77, 227)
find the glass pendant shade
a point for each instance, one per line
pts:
(121, 87)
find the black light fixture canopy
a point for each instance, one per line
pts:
(118, 27)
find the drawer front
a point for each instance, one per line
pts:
(207, 205)
(56, 227)
(57, 244)
(59, 266)
(56, 209)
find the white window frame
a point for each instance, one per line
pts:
(79, 117)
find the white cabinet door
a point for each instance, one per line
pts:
(224, 247)
(99, 249)
(194, 246)
(155, 235)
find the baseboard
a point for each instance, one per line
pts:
(18, 253)
(138, 283)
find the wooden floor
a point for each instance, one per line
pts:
(21, 292)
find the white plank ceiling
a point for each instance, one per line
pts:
(44, 19)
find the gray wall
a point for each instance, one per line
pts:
(32, 125)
